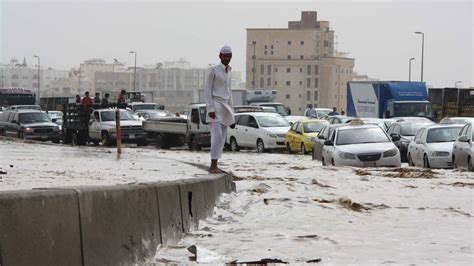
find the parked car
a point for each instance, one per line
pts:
(361, 146)
(339, 119)
(302, 134)
(260, 130)
(29, 124)
(463, 148)
(371, 121)
(153, 114)
(317, 112)
(457, 120)
(318, 143)
(406, 131)
(432, 146)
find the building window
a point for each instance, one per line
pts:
(254, 42)
(261, 82)
(25, 77)
(316, 83)
(262, 69)
(316, 95)
(271, 46)
(300, 96)
(301, 69)
(288, 83)
(271, 52)
(288, 96)
(265, 52)
(269, 82)
(15, 77)
(276, 83)
(265, 47)
(308, 96)
(276, 69)
(302, 42)
(288, 70)
(308, 83)
(335, 83)
(316, 69)
(289, 42)
(269, 69)
(301, 56)
(301, 82)
(308, 70)
(289, 56)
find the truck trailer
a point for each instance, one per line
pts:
(450, 102)
(388, 99)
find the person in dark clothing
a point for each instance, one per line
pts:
(78, 99)
(97, 98)
(334, 109)
(121, 99)
(105, 101)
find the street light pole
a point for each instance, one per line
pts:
(134, 70)
(254, 69)
(422, 50)
(457, 101)
(39, 79)
(409, 68)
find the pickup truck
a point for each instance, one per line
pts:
(176, 131)
(82, 125)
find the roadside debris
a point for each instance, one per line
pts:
(398, 172)
(202, 255)
(346, 203)
(316, 182)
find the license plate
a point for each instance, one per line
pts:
(369, 164)
(132, 136)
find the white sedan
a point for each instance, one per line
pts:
(463, 148)
(260, 130)
(360, 145)
(433, 145)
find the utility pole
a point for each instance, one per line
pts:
(409, 68)
(422, 50)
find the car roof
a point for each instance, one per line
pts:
(307, 120)
(259, 114)
(347, 126)
(444, 126)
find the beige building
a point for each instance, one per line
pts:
(300, 62)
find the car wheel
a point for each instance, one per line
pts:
(194, 145)
(56, 141)
(159, 141)
(313, 155)
(410, 160)
(106, 141)
(455, 165)
(323, 162)
(233, 144)
(470, 167)
(260, 146)
(303, 149)
(288, 148)
(426, 163)
(332, 162)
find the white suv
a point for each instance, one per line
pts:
(260, 130)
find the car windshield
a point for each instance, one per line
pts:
(272, 121)
(110, 116)
(361, 135)
(411, 129)
(312, 127)
(447, 134)
(33, 118)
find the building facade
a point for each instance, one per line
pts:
(300, 62)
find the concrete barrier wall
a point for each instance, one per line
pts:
(112, 225)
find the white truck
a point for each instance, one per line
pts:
(177, 131)
(98, 125)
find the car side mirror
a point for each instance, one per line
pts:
(54, 120)
(463, 138)
(321, 137)
(395, 137)
(328, 143)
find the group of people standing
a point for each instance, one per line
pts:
(102, 101)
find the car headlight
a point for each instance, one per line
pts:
(28, 129)
(346, 155)
(439, 153)
(390, 153)
(271, 135)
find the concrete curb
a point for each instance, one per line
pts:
(103, 225)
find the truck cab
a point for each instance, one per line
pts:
(408, 108)
(198, 129)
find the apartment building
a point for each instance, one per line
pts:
(300, 62)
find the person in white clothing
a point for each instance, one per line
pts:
(219, 105)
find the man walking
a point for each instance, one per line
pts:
(105, 101)
(219, 105)
(334, 111)
(97, 98)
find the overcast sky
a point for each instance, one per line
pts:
(378, 34)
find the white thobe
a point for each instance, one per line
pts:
(218, 95)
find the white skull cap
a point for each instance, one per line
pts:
(226, 49)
